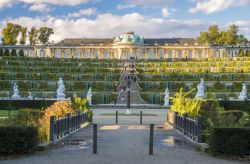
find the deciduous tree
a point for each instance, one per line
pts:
(33, 33)
(23, 35)
(10, 34)
(44, 34)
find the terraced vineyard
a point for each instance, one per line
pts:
(40, 75)
(223, 77)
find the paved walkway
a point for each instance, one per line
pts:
(122, 144)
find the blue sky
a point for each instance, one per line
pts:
(109, 18)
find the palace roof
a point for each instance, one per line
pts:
(126, 38)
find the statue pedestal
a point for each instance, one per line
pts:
(242, 98)
(15, 97)
(61, 97)
(128, 112)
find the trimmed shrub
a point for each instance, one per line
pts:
(236, 105)
(1, 52)
(18, 139)
(21, 53)
(90, 116)
(13, 52)
(18, 104)
(230, 141)
(6, 52)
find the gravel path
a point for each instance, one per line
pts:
(122, 144)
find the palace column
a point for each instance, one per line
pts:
(156, 55)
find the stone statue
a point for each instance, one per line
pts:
(61, 88)
(16, 92)
(89, 96)
(30, 96)
(166, 98)
(201, 89)
(243, 93)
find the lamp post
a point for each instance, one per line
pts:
(128, 97)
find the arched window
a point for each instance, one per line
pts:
(190, 54)
(106, 54)
(42, 53)
(58, 54)
(76, 54)
(87, 54)
(96, 54)
(67, 54)
(170, 54)
(151, 54)
(138, 54)
(161, 53)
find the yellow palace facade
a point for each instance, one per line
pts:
(130, 45)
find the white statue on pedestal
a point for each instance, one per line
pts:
(61, 88)
(243, 93)
(166, 98)
(30, 96)
(89, 96)
(201, 89)
(16, 92)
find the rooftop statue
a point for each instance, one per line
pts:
(129, 38)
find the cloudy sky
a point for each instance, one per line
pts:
(109, 18)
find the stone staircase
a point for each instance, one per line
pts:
(135, 97)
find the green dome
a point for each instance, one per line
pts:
(129, 38)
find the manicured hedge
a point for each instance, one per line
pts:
(229, 105)
(230, 141)
(17, 104)
(236, 105)
(18, 139)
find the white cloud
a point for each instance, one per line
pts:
(244, 26)
(83, 12)
(40, 7)
(126, 6)
(10, 3)
(6, 3)
(57, 2)
(101, 26)
(165, 12)
(212, 6)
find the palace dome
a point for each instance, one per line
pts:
(129, 38)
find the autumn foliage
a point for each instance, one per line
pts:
(58, 109)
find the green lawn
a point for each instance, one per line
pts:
(4, 113)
